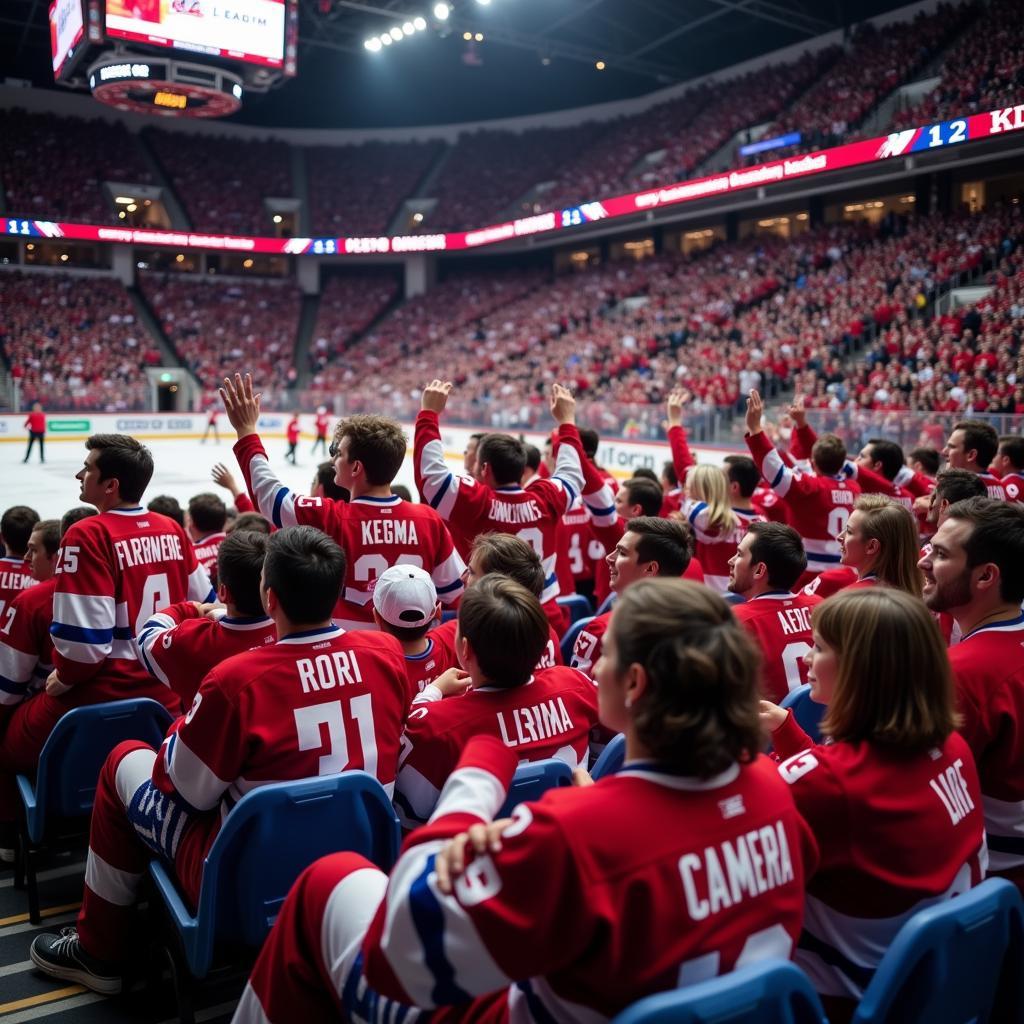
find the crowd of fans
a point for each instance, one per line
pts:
(213, 324)
(74, 343)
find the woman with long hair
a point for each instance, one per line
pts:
(688, 861)
(717, 527)
(892, 795)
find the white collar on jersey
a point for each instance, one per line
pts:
(392, 499)
(649, 770)
(500, 689)
(13, 559)
(241, 624)
(774, 595)
(510, 489)
(1006, 626)
(313, 636)
(138, 511)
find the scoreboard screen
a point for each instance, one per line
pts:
(67, 27)
(251, 31)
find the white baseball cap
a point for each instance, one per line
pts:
(405, 596)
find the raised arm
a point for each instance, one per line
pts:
(682, 457)
(783, 480)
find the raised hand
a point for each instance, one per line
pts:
(674, 405)
(755, 410)
(798, 411)
(435, 396)
(563, 405)
(222, 477)
(241, 405)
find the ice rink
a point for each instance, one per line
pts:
(182, 470)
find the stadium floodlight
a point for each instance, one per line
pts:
(467, 36)
(386, 39)
(396, 34)
(419, 23)
(408, 29)
(441, 12)
(483, 3)
(373, 45)
(479, 37)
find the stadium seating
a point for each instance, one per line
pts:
(569, 640)
(531, 781)
(959, 960)
(579, 606)
(611, 759)
(769, 992)
(249, 870)
(64, 788)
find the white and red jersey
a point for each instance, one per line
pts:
(471, 508)
(819, 506)
(445, 636)
(780, 622)
(114, 570)
(587, 649)
(831, 581)
(178, 645)
(718, 883)
(375, 533)
(293, 431)
(682, 457)
(15, 576)
(993, 484)
(321, 423)
(314, 703)
(897, 832)
(26, 649)
(422, 669)
(1013, 488)
(207, 549)
(578, 549)
(988, 665)
(713, 547)
(551, 715)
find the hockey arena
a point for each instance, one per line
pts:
(512, 511)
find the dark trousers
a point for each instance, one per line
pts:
(34, 436)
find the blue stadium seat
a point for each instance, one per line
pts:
(579, 606)
(606, 604)
(807, 712)
(447, 614)
(569, 640)
(769, 992)
(271, 835)
(611, 758)
(69, 768)
(531, 781)
(959, 961)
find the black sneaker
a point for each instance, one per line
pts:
(63, 957)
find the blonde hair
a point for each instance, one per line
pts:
(708, 484)
(893, 526)
(894, 685)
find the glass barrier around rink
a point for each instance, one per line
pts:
(908, 429)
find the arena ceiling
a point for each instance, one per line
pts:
(536, 55)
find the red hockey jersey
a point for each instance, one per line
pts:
(26, 649)
(550, 716)
(819, 506)
(444, 635)
(179, 646)
(713, 548)
(424, 668)
(988, 664)
(375, 533)
(314, 703)
(578, 549)
(15, 576)
(587, 649)
(897, 832)
(206, 553)
(113, 572)
(1013, 487)
(321, 423)
(780, 622)
(831, 581)
(471, 508)
(718, 884)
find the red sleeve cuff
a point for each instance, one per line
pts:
(789, 738)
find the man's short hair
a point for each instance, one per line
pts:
(954, 485)
(506, 627)
(742, 470)
(49, 534)
(781, 550)
(249, 521)
(75, 515)
(506, 455)
(207, 512)
(589, 440)
(510, 556)
(669, 542)
(889, 454)
(1012, 446)
(398, 490)
(645, 473)
(997, 536)
(168, 506)
(929, 458)
(533, 457)
(306, 570)
(377, 442)
(645, 493)
(239, 564)
(16, 526)
(325, 474)
(829, 455)
(668, 471)
(125, 460)
(981, 437)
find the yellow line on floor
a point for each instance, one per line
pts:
(48, 912)
(45, 997)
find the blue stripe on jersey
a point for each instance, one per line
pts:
(144, 656)
(363, 1005)
(428, 918)
(278, 501)
(1006, 844)
(551, 579)
(601, 511)
(538, 1011)
(860, 976)
(449, 588)
(568, 486)
(11, 687)
(123, 633)
(778, 476)
(697, 509)
(441, 491)
(81, 634)
(814, 556)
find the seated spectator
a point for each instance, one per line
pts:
(717, 526)
(1008, 465)
(16, 526)
(204, 524)
(168, 506)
